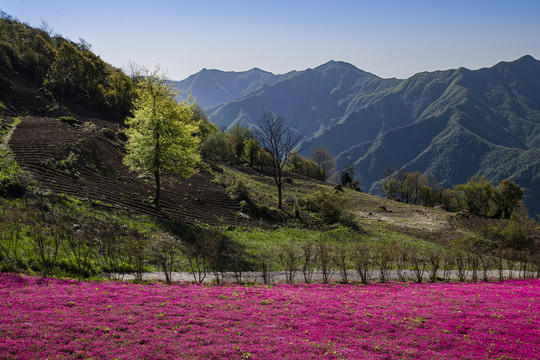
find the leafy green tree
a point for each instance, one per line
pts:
(121, 92)
(347, 176)
(507, 198)
(477, 193)
(240, 135)
(391, 188)
(65, 71)
(302, 166)
(200, 118)
(451, 200)
(251, 149)
(427, 196)
(160, 135)
(215, 146)
(410, 186)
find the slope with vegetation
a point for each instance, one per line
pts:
(71, 207)
(62, 70)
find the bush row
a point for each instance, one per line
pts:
(60, 237)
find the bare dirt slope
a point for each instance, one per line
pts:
(79, 161)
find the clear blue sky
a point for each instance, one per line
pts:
(390, 38)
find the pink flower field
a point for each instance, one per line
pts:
(66, 319)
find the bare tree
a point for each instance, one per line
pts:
(309, 260)
(448, 265)
(325, 253)
(279, 138)
(46, 28)
(324, 160)
(418, 264)
(434, 257)
(385, 261)
(401, 256)
(266, 259)
(289, 257)
(134, 71)
(342, 260)
(363, 259)
(165, 252)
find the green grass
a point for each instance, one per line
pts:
(262, 189)
(54, 219)
(12, 178)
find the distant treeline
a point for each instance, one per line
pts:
(478, 195)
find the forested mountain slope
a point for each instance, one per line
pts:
(453, 124)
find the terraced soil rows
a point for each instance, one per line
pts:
(22, 97)
(65, 159)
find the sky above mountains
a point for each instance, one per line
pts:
(390, 38)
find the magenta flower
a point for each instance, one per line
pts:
(60, 319)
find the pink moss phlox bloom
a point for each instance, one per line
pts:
(64, 319)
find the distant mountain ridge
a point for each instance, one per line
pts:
(215, 87)
(453, 124)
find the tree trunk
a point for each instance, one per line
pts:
(279, 184)
(279, 196)
(157, 155)
(158, 188)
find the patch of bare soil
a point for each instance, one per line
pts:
(84, 163)
(432, 224)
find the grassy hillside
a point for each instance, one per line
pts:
(80, 230)
(71, 207)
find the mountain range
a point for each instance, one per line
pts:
(453, 124)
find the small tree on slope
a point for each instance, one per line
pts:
(279, 138)
(160, 136)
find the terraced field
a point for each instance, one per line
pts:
(84, 163)
(22, 97)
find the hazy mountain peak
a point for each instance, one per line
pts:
(212, 87)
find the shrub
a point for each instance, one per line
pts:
(69, 120)
(12, 184)
(330, 207)
(89, 126)
(3, 108)
(216, 146)
(67, 166)
(108, 133)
